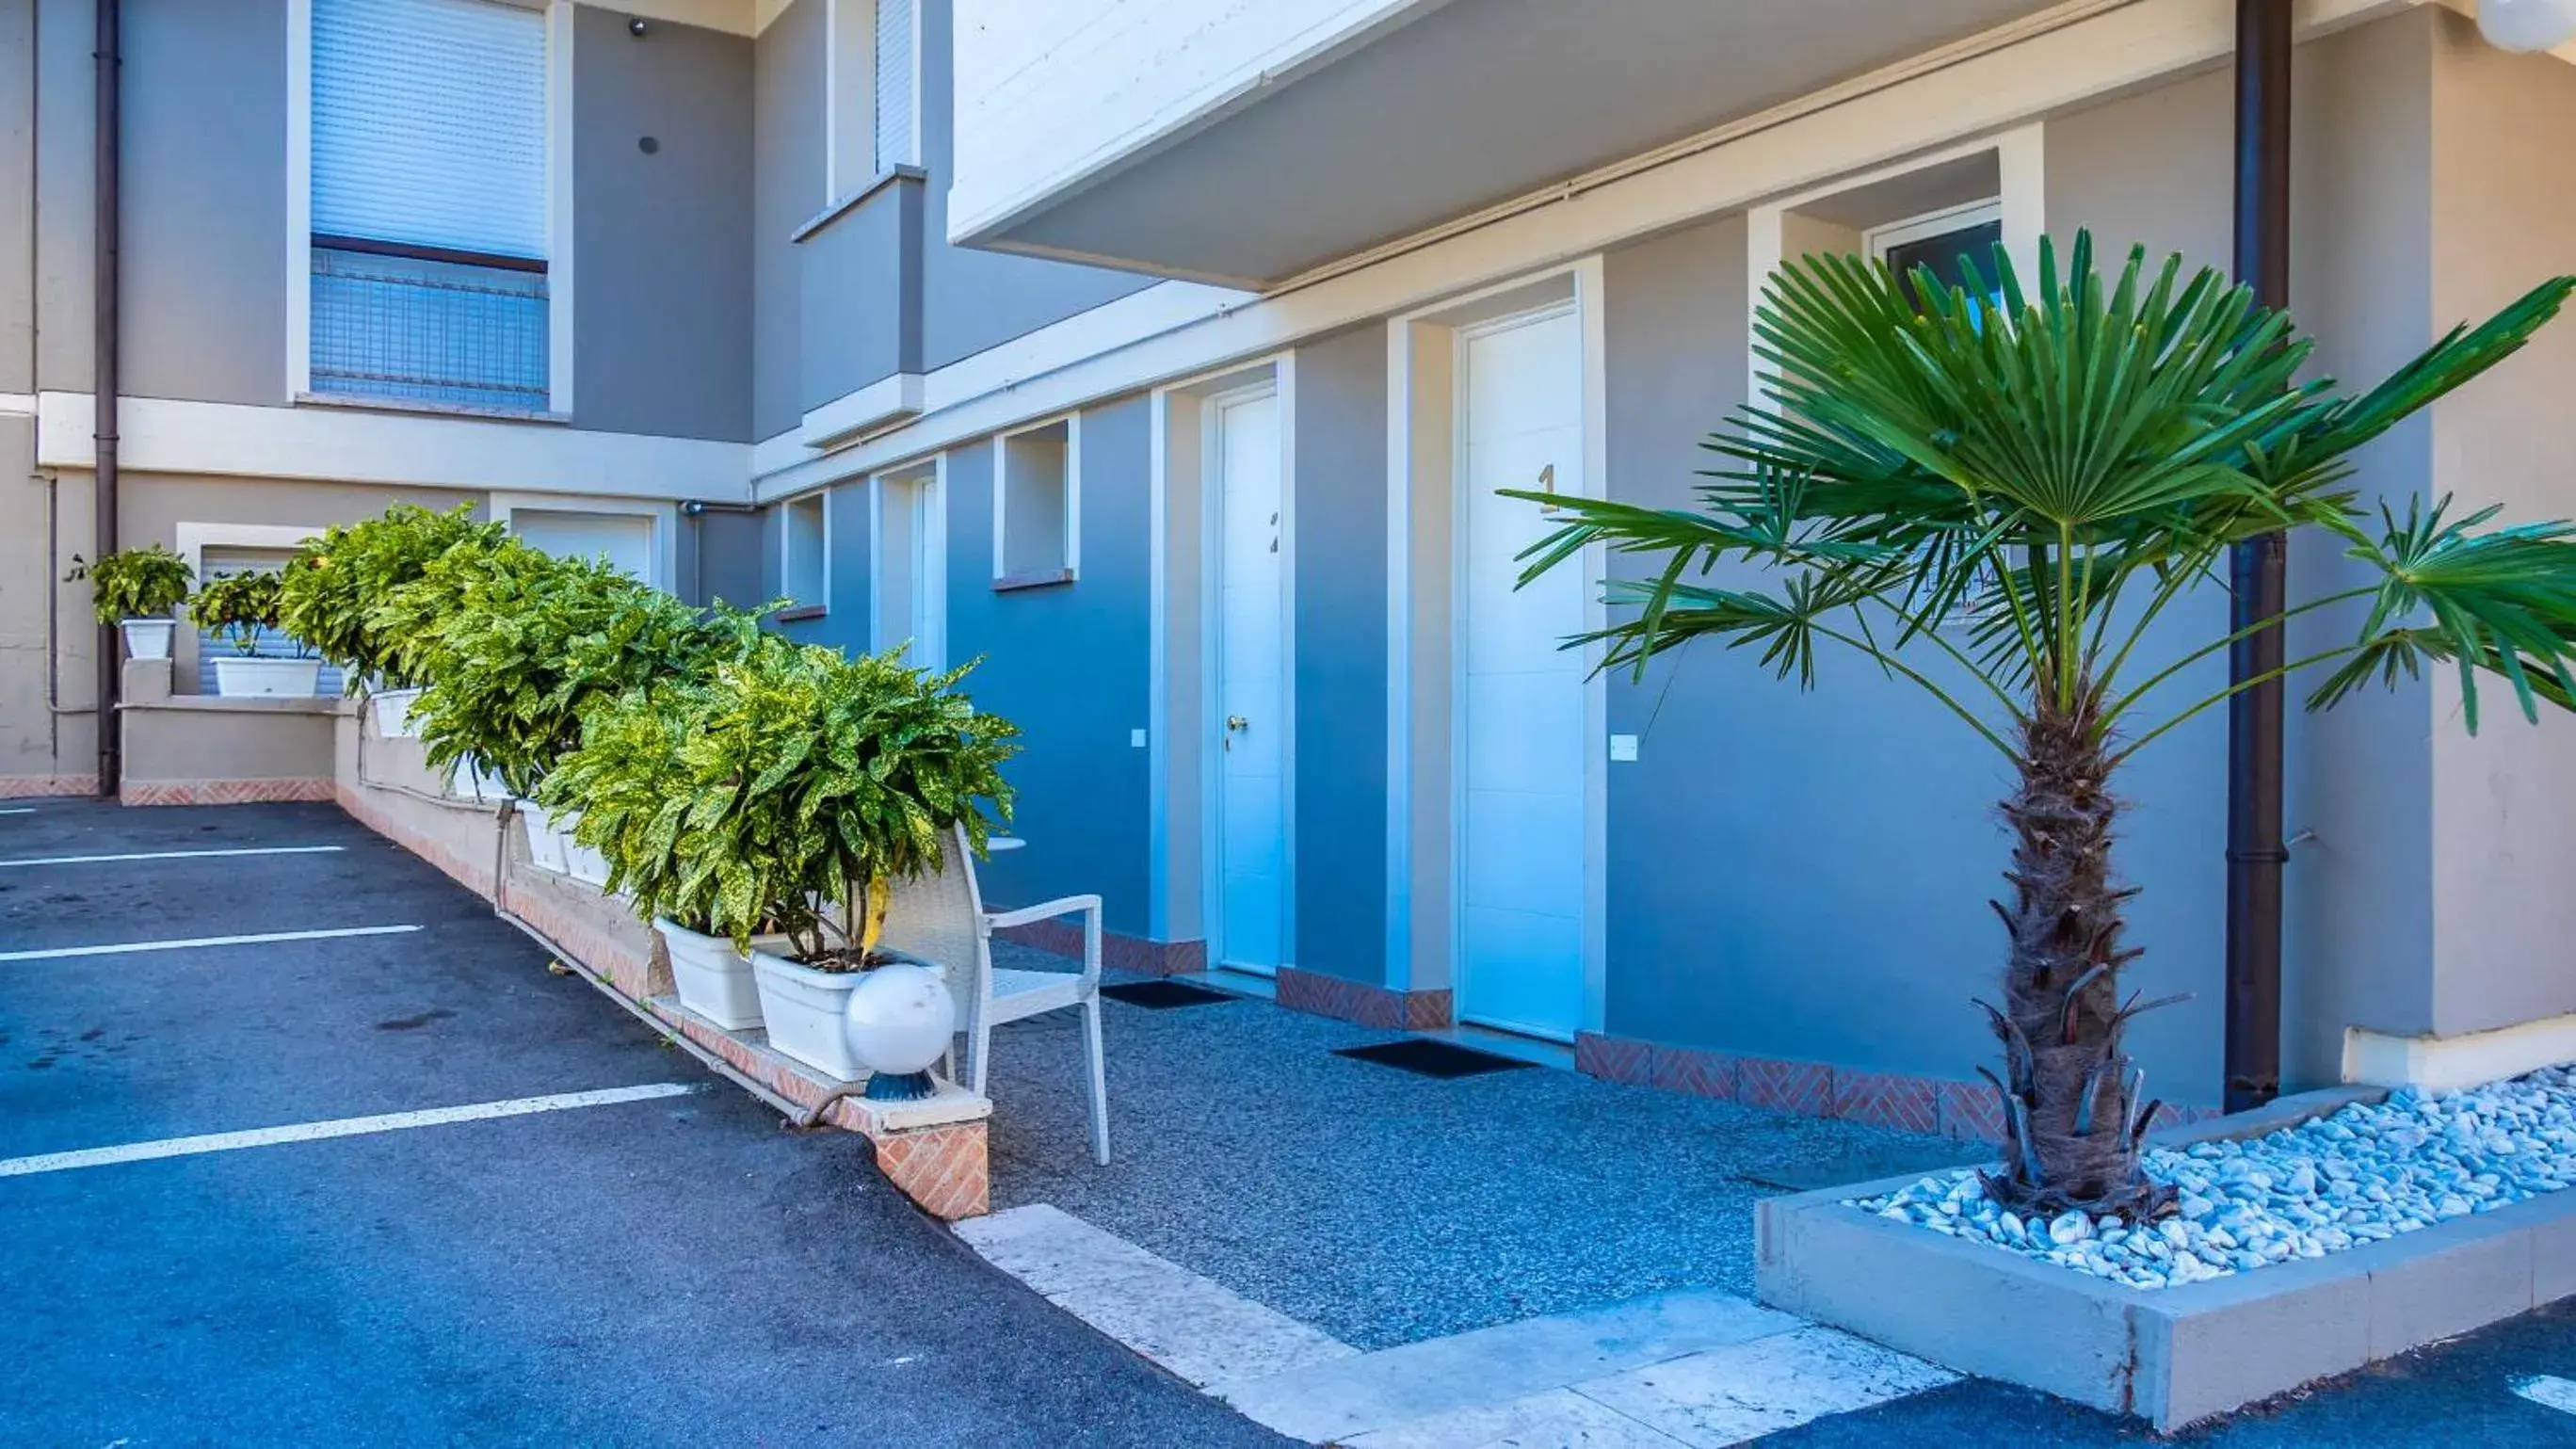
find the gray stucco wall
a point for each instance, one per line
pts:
(17, 198)
(204, 200)
(860, 281)
(2504, 802)
(64, 99)
(1340, 600)
(726, 558)
(661, 241)
(974, 300)
(787, 191)
(1068, 665)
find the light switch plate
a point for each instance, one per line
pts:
(1623, 748)
(1136, 739)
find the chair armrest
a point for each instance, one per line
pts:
(1088, 907)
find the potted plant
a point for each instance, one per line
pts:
(808, 784)
(622, 773)
(135, 589)
(242, 609)
(532, 645)
(335, 585)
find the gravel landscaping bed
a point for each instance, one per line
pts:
(2359, 1175)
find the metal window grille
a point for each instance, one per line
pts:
(425, 330)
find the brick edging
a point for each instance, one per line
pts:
(1961, 1111)
(1363, 1002)
(224, 792)
(1118, 952)
(27, 787)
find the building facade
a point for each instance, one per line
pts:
(1164, 358)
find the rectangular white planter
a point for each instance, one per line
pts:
(393, 712)
(580, 861)
(468, 780)
(147, 638)
(802, 1007)
(240, 678)
(713, 979)
(545, 841)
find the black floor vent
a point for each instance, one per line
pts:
(1425, 1057)
(1163, 995)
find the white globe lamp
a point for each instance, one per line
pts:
(2527, 25)
(897, 1022)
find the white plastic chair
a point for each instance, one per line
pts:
(941, 918)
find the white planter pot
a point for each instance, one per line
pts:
(147, 638)
(714, 979)
(239, 678)
(803, 1008)
(545, 841)
(580, 861)
(468, 780)
(393, 712)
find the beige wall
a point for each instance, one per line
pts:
(151, 506)
(47, 683)
(2504, 803)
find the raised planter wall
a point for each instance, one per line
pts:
(198, 749)
(2173, 1356)
(934, 1151)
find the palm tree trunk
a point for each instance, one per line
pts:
(2073, 1118)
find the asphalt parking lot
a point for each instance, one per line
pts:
(666, 1266)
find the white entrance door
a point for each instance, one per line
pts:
(911, 601)
(1251, 725)
(1520, 702)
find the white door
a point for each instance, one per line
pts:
(1520, 701)
(1251, 725)
(625, 540)
(910, 577)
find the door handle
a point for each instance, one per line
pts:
(1237, 722)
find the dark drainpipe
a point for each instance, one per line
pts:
(2255, 852)
(103, 292)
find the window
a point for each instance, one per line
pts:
(1036, 499)
(1945, 241)
(220, 561)
(805, 551)
(429, 205)
(897, 43)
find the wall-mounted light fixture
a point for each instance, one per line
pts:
(635, 26)
(2527, 25)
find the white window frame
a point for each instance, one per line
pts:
(1072, 571)
(559, 208)
(850, 102)
(821, 604)
(2021, 165)
(664, 517)
(1878, 240)
(930, 567)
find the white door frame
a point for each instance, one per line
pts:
(1212, 663)
(1425, 658)
(929, 567)
(1181, 764)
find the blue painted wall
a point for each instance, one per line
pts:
(1068, 664)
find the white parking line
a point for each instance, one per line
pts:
(344, 1127)
(56, 953)
(176, 855)
(19, 810)
(2549, 1391)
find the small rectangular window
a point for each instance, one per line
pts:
(805, 551)
(429, 278)
(221, 561)
(897, 46)
(1035, 503)
(1947, 242)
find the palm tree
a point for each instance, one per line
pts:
(1994, 495)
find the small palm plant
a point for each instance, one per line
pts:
(1995, 495)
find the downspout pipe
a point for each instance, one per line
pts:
(2257, 570)
(104, 385)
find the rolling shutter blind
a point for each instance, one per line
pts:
(894, 84)
(429, 124)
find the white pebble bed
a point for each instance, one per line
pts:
(2358, 1175)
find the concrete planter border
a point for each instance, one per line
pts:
(2173, 1356)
